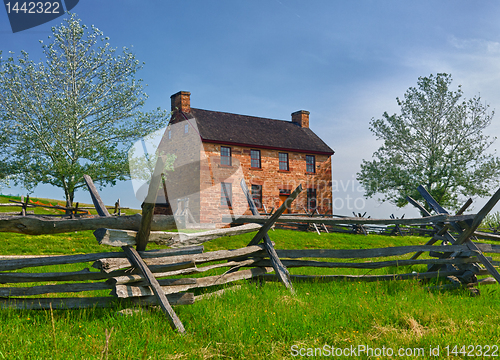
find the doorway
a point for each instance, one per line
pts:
(284, 194)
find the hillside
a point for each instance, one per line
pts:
(6, 199)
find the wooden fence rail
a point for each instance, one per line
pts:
(123, 281)
(441, 218)
(152, 277)
(372, 278)
(40, 226)
(69, 210)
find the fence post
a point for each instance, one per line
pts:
(136, 260)
(25, 206)
(279, 268)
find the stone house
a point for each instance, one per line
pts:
(215, 150)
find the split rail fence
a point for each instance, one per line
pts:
(138, 276)
(69, 211)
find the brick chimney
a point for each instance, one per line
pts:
(181, 101)
(301, 118)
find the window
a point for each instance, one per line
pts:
(169, 134)
(225, 155)
(286, 192)
(257, 195)
(255, 158)
(186, 128)
(311, 199)
(283, 159)
(226, 194)
(310, 163)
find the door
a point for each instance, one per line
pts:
(284, 194)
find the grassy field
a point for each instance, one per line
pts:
(263, 321)
(258, 321)
(41, 210)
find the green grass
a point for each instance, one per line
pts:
(255, 321)
(43, 211)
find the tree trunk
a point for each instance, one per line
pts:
(69, 195)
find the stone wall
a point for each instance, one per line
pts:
(212, 175)
(183, 180)
(268, 176)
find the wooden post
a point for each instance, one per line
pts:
(178, 211)
(357, 227)
(436, 206)
(76, 209)
(25, 204)
(149, 205)
(440, 231)
(323, 225)
(189, 214)
(466, 233)
(164, 185)
(96, 198)
(479, 218)
(270, 222)
(311, 215)
(137, 261)
(397, 229)
(279, 268)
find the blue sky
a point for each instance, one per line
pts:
(344, 61)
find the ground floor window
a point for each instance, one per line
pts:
(311, 199)
(257, 195)
(285, 192)
(226, 194)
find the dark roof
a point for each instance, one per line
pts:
(243, 130)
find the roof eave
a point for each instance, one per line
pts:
(316, 152)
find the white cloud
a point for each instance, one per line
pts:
(476, 45)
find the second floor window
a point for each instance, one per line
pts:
(225, 155)
(169, 134)
(255, 158)
(283, 159)
(186, 128)
(310, 163)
